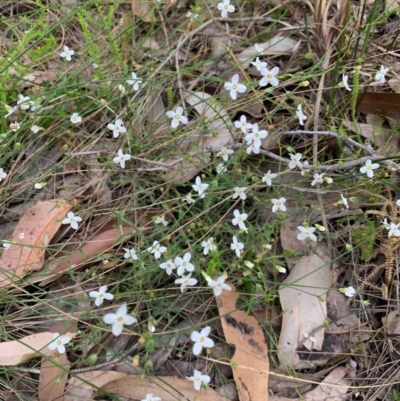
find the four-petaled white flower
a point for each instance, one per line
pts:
(186, 281)
(295, 160)
(3, 174)
(122, 158)
(151, 397)
(260, 65)
(225, 7)
(188, 199)
(35, 129)
(301, 116)
(218, 285)
(349, 292)
(344, 200)
(258, 48)
(279, 204)
(239, 219)
(201, 340)
(119, 319)
(224, 153)
(135, 81)
(199, 187)
(6, 244)
(130, 253)
(240, 192)
(236, 246)
(59, 342)
(380, 76)
(304, 168)
(75, 118)
(243, 124)
(199, 380)
(208, 246)
(234, 86)
(67, 53)
(72, 219)
(386, 224)
(345, 81)
(168, 266)
(369, 168)
(15, 126)
(177, 117)
(117, 128)
(306, 232)
(221, 168)
(252, 149)
(394, 229)
(101, 295)
(318, 179)
(256, 136)
(161, 220)
(183, 264)
(23, 102)
(269, 177)
(269, 77)
(156, 249)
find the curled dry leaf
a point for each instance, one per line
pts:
(14, 352)
(251, 354)
(218, 120)
(303, 300)
(276, 45)
(32, 235)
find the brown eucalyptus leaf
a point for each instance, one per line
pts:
(251, 353)
(167, 388)
(30, 238)
(15, 352)
(53, 378)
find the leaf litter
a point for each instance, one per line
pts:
(310, 324)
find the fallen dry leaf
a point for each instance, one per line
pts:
(15, 352)
(167, 388)
(251, 353)
(277, 45)
(53, 378)
(217, 119)
(333, 388)
(392, 322)
(303, 300)
(141, 8)
(38, 78)
(84, 385)
(92, 248)
(387, 104)
(32, 235)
